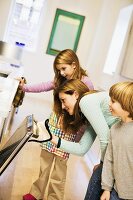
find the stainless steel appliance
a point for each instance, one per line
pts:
(22, 135)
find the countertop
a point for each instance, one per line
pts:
(8, 87)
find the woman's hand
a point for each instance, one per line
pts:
(105, 195)
(54, 139)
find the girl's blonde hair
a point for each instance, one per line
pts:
(123, 93)
(71, 123)
(67, 56)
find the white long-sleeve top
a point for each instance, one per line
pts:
(95, 108)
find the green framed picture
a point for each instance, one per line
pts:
(65, 32)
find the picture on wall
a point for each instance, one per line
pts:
(65, 32)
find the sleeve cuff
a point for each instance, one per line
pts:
(105, 187)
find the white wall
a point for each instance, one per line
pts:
(5, 6)
(108, 18)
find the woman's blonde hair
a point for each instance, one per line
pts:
(71, 123)
(123, 93)
(67, 56)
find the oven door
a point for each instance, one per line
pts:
(16, 142)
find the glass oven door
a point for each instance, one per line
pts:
(16, 142)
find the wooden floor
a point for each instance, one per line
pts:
(23, 171)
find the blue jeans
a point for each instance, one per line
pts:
(114, 195)
(94, 190)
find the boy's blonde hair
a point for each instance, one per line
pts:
(67, 56)
(123, 93)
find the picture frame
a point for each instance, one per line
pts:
(66, 31)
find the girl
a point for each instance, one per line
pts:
(66, 66)
(53, 164)
(94, 106)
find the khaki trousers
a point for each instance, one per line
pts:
(53, 169)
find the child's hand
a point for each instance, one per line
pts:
(105, 195)
(18, 79)
(95, 167)
(21, 82)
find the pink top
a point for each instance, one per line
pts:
(47, 86)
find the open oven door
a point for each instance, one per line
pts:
(15, 143)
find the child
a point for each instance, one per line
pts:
(117, 174)
(66, 66)
(53, 166)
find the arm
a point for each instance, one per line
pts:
(42, 87)
(87, 82)
(107, 171)
(91, 107)
(78, 148)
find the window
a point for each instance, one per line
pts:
(24, 23)
(118, 39)
(127, 65)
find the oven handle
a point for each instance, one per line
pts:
(41, 141)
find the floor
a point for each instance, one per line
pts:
(24, 169)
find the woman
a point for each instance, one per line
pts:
(94, 107)
(53, 161)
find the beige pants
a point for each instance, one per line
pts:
(56, 175)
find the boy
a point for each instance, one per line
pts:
(117, 174)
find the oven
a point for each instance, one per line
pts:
(22, 135)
